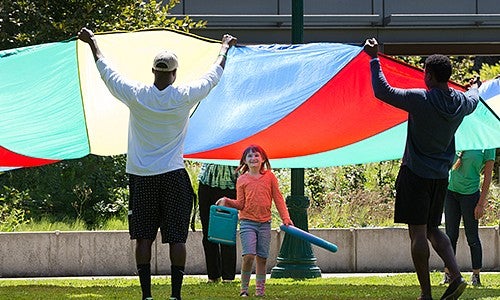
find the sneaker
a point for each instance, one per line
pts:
(216, 280)
(475, 280)
(227, 280)
(455, 289)
(446, 278)
(148, 298)
(260, 291)
(244, 294)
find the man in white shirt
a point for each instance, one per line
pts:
(160, 189)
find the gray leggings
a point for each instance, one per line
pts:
(456, 207)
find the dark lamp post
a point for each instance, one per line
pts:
(296, 259)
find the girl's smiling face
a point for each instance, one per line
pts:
(254, 160)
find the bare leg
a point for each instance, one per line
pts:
(475, 278)
(178, 254)
(247, 262)
(420, 254)
(260, 266)
(260, 276)
(442, 245)
(246, 272)
(143, 251)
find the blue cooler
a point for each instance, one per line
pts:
(222, 225)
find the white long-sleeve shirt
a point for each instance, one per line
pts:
(158, 119)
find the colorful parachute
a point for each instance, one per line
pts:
(308, 105)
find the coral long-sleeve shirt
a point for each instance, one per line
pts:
(255, 196)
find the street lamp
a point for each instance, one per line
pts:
(296, 259)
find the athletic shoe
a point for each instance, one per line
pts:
(446, 278)
(455, 289)
(475, 280)
(216, 280)
(244, 294)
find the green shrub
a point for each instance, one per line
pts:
(91, 189)
(12, 214)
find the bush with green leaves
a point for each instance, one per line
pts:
(88, 189)
(12, 212)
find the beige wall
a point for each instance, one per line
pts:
(110, 253)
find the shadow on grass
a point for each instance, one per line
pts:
(274, 290)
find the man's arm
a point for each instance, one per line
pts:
(227, 42)
(381, 88)
(200, 88)
(88, 37)
(120, 87)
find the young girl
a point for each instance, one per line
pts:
(256, 188)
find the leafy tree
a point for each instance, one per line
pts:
(30, 22)
(463, 66)
(489, 71)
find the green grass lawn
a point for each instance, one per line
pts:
(400, 286)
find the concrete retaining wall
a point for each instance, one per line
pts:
(111, 253)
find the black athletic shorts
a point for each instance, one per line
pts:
(161, 201)
(419, 200)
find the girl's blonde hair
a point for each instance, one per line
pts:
(243, 168)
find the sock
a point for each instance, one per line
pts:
(144, 271)
(176, 278)
(260, 284)
(245, 280)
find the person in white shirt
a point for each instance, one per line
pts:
(161, 195)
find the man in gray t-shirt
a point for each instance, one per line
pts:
(434, 115)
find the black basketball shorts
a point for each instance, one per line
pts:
(162, 202)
